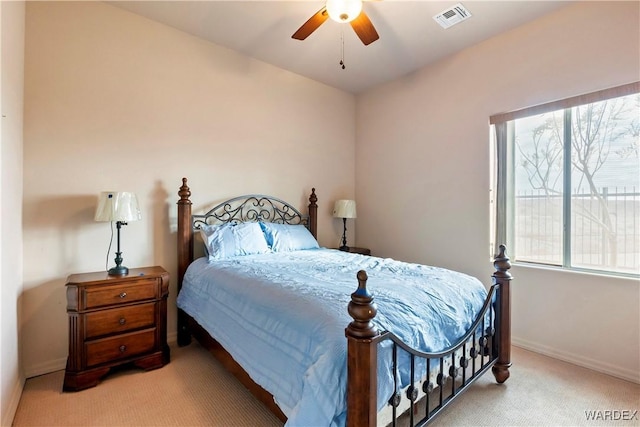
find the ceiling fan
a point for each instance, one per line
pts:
(342, 11)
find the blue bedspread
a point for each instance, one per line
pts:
(282, 317)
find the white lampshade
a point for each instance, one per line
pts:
(344, 209)
(344, 10)
(118, 206)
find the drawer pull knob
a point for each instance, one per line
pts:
(123, 295)
(122, 321)
(123, 348)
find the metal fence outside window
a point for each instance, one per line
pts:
(605, 229)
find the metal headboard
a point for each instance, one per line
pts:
(251, 208)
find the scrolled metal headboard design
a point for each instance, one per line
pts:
(251, 208)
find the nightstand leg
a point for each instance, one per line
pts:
(76, 381)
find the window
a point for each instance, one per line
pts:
(568, 182)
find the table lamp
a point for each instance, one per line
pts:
(120, 207)
(344, 209)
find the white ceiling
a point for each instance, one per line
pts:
(409, 36)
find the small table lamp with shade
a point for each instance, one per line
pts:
(344, 209)
(120, 207)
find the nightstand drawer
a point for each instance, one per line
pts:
(118, 320)
(135, 290)
(120, 347)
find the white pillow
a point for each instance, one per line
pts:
(288, 237)
(230, 240)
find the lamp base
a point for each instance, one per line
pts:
(118, 270)
(344, 248)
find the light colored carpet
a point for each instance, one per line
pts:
(194, 390)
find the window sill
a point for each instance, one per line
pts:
(574, 270)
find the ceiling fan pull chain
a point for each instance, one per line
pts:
(342, 48)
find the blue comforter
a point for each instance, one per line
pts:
(282, 317)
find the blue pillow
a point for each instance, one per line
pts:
(288, 237)
(229, 240)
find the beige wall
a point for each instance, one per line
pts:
(422, 171)
(114, 101)
(11, 90)
(118, 102)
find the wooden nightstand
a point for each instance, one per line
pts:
(361, 251)
(115, 320)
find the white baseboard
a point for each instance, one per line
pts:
(46, 367)
(585, 362)
(172, 338)
(9, 412)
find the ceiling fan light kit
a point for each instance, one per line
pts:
(359, 20)
(344, 10)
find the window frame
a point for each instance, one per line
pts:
(503, 210)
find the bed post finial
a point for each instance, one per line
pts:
(362, 358)
(184, 192)
(502, 264)
(362, 309)
(503, 278)
(313, 213)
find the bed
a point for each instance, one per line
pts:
(298, 326)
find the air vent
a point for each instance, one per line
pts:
(452, 16)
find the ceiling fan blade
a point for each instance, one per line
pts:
(364, 29)
(311, 25)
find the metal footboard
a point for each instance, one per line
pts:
(445, 374)
(487, 344)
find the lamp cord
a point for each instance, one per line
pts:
(106, 262)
